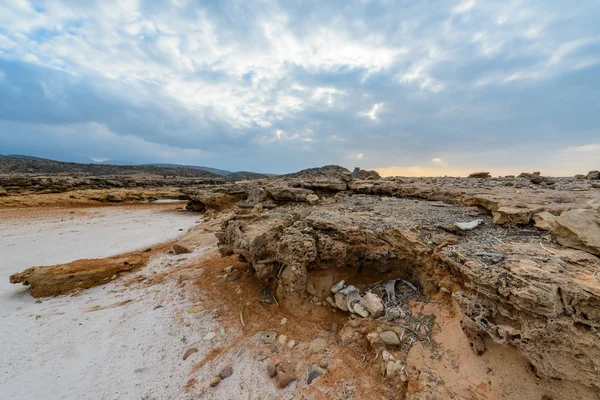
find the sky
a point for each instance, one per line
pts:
(417, 88)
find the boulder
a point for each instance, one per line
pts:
(579, 229)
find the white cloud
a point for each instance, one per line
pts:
(372, 113)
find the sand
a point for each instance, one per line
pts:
(91, 345)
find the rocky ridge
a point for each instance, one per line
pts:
(525, 275)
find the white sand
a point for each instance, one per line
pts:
(59, 348)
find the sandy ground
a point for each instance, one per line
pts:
(92, 346)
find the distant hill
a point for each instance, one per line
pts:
(26, 164)
(327, 171)
(245, 176)
(216, 171)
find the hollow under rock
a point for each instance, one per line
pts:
(511, 283)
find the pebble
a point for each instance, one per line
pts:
(390, 338)
(210, 336)
(226, 372)
(282, 339)
(271, 370)
(198, 308)
(324, 363)
(284, 379)
(313, 373)
(215, 381)
(291, 343)
(189, 352)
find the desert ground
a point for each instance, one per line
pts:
(453, 288)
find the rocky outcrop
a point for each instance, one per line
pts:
(81, 274)
(510, 283)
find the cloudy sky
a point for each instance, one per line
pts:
(408, 87)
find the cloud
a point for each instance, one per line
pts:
(284, 86)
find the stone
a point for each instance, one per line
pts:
(393, 368)
(313, 373)
(284, 379)
(312, 198)
(226, 372)
(189, 352)
(579, 229)
(360, 310)
(340, 301)
(269, 337)
(181, 249)
(544, 221)
(390, 338)
(209, 336)
(195, 205)
(338, 286)
(374, 338)
(291, 344)
(317, 345)
(198, 308)
(282, 339)
(215, 381)
(329, 300)
(271, 369)
(373, 304)
(324, 363)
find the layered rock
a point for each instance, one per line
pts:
(511, 283)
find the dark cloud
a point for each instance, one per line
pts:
(276, 87)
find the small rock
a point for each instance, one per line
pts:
(189, 352)
(198, 308)
(329, 299)
(393, 368)
(313, 373)
(317, 345)
(180, 249)
(283, 321)
(349, 289)
(373, 338)
(372, 303)
(215, 381)
(282, 339)
(312, 198)
(390, 338)
(209, 336)
(226, 372)
(284, 379)
(291, 343)
(338, 286)
(228, 269)
(340, 301)
(360, 310)
(271, 370)
(387, 356)
(324, 363)
(269, 337)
